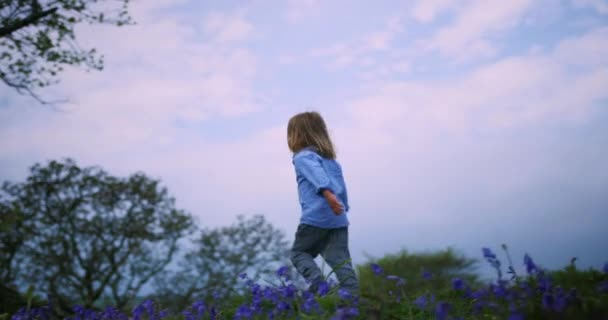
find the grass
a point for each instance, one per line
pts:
(539, 294)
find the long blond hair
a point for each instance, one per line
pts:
(308, 129)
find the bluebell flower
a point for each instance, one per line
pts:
(310, 304)
(426, 275)
(605, 267)
(376, 269)
(138, 312)
(344, 294)
(163, 314)
(400, 281)
(544, 283)
(488, 254)
(345, 313)
(547, 300)
(288, 291)
(323, 288)
(442, 310)
(421, 302)
(213, 312)
(457, 284)
(188, 315)
(199, 308)
(283, 306)
(269, 294)
(478, 306)
(243, 312)
(560, 301)
(516, 316)
(111, 313)
(530, 266)
(255, 289)
(283, 272)
(149, 306)
(478, 294)
(243, 275)
(499, 290)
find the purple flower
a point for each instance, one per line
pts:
(323, 288)
(111, 313)
(400, 281)
(488, 254)
(376, 269)
(457, 284)
(243, 275)
(421, 302)
(560, 301)
(344, 294)
(288, 291)
(544, 283)
(269, 294)
(310, 304)
(547, 300)
(283, 306)
(345, 313)
(255, 289)
(478, 306)
(516, 316)
(199, 307)
(283, 272)
(243, 312)
(441, 310)
(188, 315)
(499, 290)
(138, 312)
(426, 275)
(477, 294)
(530, 266)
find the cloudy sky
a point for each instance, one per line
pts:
(462, 123)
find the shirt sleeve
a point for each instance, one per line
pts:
(310, 167)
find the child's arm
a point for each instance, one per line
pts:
(313, 171)
(335, 205)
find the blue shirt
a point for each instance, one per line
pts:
(315, 173)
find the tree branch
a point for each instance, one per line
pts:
(19, 24)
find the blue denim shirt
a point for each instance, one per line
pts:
(314, 174)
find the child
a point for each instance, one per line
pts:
(323, 227)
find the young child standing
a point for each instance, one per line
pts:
(323, 227)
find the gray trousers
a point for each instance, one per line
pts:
(332, 245)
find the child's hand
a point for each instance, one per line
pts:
(335, 205)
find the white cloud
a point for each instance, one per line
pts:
(358, 53)
(469, 36)
(158, 74)
(299, 10)
(427, 10)
(227, 28)
(561, 85)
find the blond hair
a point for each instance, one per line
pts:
(308, 129)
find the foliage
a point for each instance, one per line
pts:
(37, 38)
(219, 256)
(537, 295)
(81, 235)
(420, 272)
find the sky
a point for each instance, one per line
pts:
(464, 124)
